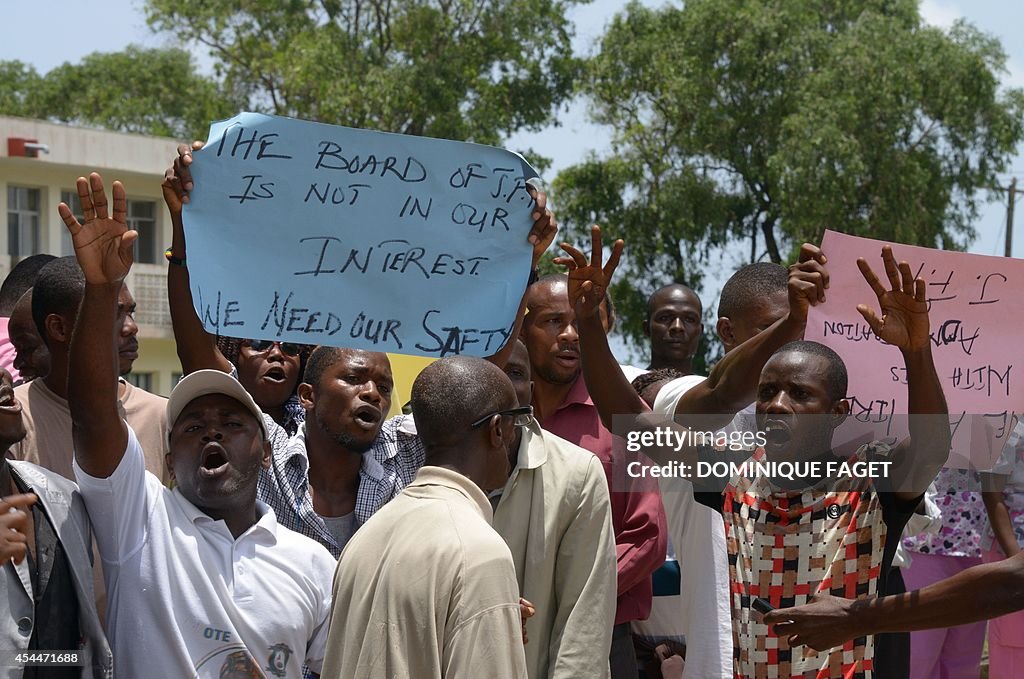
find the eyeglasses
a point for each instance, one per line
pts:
(522, 417)
(287, 348)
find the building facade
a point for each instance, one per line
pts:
(39, 162)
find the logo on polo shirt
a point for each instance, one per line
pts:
(277, 661)
(238, 665)
(833, 511)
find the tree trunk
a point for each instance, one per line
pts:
(768, 229)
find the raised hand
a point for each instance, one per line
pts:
(178, 179)
(589, 282)
(13, 522)
(103, 245)
(544, 225)
(808, 280)
(904, 321)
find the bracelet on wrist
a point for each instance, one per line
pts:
(171, 259)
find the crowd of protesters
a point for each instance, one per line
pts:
(269, 520)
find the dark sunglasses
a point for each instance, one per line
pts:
(287, 348)
(522, 417)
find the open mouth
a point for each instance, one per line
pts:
(569, 358)
(367, 416)
(275, 374)
(214, 460)
(7, 401)
(777, 433)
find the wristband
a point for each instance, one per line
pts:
(171, 259)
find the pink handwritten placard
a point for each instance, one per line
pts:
(976, 313)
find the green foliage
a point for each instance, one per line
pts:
(775, 119)
(460, 69)
(19, 87)
(146, 91)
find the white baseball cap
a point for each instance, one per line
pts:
(203, 383)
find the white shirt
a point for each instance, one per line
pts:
(705, 613)
(186, 599)
(632, 372)
(664, 622)
(671, 393)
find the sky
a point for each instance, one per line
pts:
(46, 33)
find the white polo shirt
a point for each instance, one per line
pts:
(186, 599)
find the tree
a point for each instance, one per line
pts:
(460, 69)
(760, 123)
(19, 85)
(146, 91)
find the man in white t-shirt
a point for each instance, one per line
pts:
(201, 580)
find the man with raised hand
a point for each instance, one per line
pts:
(56, 297)
(731, 386)
(820, 529)
(201, 580)
(563, 407)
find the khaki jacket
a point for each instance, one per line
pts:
(555, 516)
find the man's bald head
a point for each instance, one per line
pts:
(452, 393)
(669, 292)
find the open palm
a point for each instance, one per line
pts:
(103, 244)
(904, 321)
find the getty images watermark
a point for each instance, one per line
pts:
(669, 438)
(805, 451)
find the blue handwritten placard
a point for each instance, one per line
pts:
(322, 234)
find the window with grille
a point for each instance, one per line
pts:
(141, 380)
(142, 218)
(22, 221)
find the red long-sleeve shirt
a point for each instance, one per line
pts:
(638, 516)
